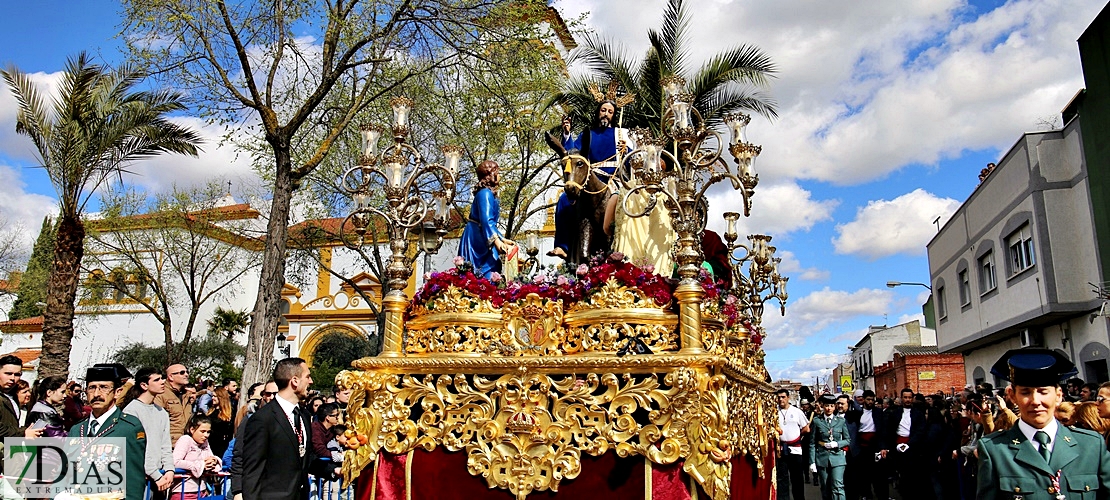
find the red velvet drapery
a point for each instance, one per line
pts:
(441, 475)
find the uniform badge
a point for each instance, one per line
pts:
(1016, 442)
(140, 435)
(1067, 438)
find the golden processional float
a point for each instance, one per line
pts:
(605, 381)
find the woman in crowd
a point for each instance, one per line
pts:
(21, 392)
(219, 412)
(46, 414)
(1064, 412)
(1087, 417)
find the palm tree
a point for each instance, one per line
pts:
(228, 322)
(730, 81)
(89, 132)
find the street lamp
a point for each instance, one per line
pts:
(415, 194)
(283, 347)
(892, 284)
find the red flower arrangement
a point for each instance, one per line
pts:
(560, 283)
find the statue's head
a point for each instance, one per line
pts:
(606, 110)
(489, 175)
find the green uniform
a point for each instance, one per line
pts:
(1010, 466)
(118, 425)
(830, 462)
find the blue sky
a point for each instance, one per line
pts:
(888, 110)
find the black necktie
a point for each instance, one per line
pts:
(92, 427)
(297, 426)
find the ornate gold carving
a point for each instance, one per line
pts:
(525, 430)
(455, 322)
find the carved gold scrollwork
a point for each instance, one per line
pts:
(526, 430)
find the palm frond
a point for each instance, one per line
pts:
(733, 97)
(669, 43)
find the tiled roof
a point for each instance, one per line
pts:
(25, 325)
(28, 356)
(910, 349)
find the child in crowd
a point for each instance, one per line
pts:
(193, 453)
(338, 443)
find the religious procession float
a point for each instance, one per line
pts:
(624, 373)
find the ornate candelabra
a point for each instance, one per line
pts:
(761, 281)
(414, 193)
(695, 164)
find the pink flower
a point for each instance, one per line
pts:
(427, 276)
(458, 261)
(539, 278)
(650, 268)
(731, 300)
(495, 277)
(617, 256)
(582, 270)
(562, 281)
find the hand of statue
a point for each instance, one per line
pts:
(504, 245)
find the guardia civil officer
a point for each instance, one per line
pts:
(1039, 458)
(104, 385)
(828, 449)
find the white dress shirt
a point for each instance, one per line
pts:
(1029, 430)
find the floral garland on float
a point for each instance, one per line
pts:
(629, 308)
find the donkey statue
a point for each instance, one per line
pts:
(589, 197)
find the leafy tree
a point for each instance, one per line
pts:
(256, 63)
(32, 285)
(213, 357)
(228, 322)
(94, 127)
(334, 353)
(168, 255)
(492, 107)
(729, 81)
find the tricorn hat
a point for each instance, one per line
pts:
(827, 399)
(1034, 367)
(101, 373)
(120, 370)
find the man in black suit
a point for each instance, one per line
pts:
(11, 370)
(905, 444)
(277, 440)
(865, 472)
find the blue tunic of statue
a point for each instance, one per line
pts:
(597, 145)
(476, 245)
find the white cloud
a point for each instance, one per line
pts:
(216, 161)
(807, 369)
(778, 209)
(902, 225)
(859, 97)
(22, 211)
(158, 174)
(819, 310)
(792, 267)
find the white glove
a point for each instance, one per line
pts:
(813, 468)
(902, 447)
(831, 445)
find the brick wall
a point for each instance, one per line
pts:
(924, 373)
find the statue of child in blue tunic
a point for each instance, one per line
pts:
(482, 244)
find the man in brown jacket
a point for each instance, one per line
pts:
(173, 400)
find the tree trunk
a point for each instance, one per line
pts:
(267, 306)
(61, 296)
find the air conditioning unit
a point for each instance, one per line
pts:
(1031, 338)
